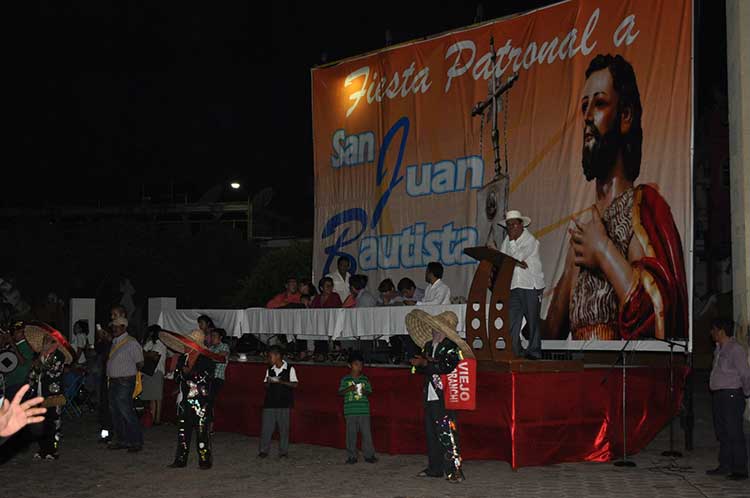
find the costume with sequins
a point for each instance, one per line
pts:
(440, 424)
(192, 409)
(46, 379)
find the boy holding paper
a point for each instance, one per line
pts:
(355, 388)
(280, 382)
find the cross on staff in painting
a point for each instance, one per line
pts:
(495, 91)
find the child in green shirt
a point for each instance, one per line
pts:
(355, 388)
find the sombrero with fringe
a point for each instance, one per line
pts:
(421, 324)
(35, 332)
(194, 340)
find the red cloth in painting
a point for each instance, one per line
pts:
(656, 305)
(284, 299)
(521, 418)
(332, 301)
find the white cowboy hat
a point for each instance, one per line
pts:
(515, 215)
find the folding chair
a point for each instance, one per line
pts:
(71, 407)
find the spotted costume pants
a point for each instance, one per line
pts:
(49, 432)
(193, 415)
(442, 441)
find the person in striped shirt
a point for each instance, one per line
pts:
(355, 388)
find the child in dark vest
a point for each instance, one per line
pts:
(355, 388)
(280, 382)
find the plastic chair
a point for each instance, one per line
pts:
(71, 407)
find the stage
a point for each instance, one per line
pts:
(522, 418)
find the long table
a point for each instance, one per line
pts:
(522, 418)
(339, 323)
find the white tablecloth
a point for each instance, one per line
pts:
(184, 321)
(337, 323)
(340, 323)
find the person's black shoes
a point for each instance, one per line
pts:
(262, 455)
(371, 460)
(427, 473)
(351, 461)
(736, 476)
(177, 465)
(718, 471)
(135, 449)
(116, 446)
(205, 466)
(532, 357)
(284, 455)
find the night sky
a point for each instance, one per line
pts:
(121, 99)
(115, 100)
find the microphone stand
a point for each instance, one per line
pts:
(624, 462)
(671, 452)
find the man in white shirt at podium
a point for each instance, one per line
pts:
(527, 285)
(437, 292)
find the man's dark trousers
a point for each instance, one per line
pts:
(728, 407)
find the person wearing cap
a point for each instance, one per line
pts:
(527, 284)
(442, 350)
(46, 380)
(123, 364)
(194, 374)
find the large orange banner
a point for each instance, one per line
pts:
(597, 132)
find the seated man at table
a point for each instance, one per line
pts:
(437, 292)
(409, 291)
(389, 296)
(290, 296)
(359, 296)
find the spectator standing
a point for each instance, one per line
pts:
(205, 324)
(355, 388)
(730, 385)
(280, 382)
(155, 351)
(80, 341)
(220, 349)
(124, 361)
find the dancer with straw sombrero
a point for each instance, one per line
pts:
(194, 374)
(46, 379)
(442, 350)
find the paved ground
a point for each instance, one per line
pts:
(86, 470)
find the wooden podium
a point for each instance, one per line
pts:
(488, 331)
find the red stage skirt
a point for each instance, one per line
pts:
(521, 418)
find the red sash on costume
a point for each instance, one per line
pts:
(460, 386)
